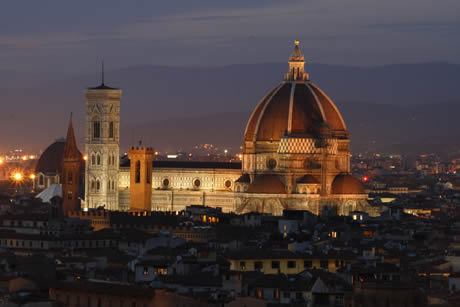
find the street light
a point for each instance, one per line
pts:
(17, 176)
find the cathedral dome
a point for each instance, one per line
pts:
(346, 184)
(296, 107)
(50, 161)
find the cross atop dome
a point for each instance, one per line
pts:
(296, 65)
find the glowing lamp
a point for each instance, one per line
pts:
(365, 179)
(32, 176)
(85, 157)
(17, 176)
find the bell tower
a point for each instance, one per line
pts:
(140, 187)
(102, 146)
(71, 165)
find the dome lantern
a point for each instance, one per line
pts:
(296, 65)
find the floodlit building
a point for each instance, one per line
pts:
(295, 156)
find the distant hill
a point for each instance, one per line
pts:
(377, 102)
(386, 128)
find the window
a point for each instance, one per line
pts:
(70, 178)
(98, 159)
(339, 300)
(41, 180)
(98, 185)
(307, 264)
(147, 175)
(108, 185)
(113, 185)
(291, 264)
(197, 183)
(93, 185)
(138, 172)
(258, 265)
(111, 130)
(286, 294)
(69, 195)
(96, 129)
(275, 264)
(242, 265)
(146, 270)
(324, 264)
(93, 159)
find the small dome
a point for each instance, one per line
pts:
(267, 184)
(50, 161)
(308, 179)
(346, 184)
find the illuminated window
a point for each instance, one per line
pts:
(69, 195)
(111, 130)
(146, 270)
(242, 265)
(138, 172)
(69, 178)
(96, 129)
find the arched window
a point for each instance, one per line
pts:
(113, 185)
(93, 185)
(138, 172)
(96, 129)
(108, 185)
(41, 180)
(93, 159)
(69, 195)
(111, 130)
(70, 178)
(98, 159)
(98, 185)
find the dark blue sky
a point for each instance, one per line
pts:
(72, 36)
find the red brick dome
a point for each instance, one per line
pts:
(267, 184)
(294, 108)
(346, 184)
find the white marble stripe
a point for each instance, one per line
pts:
(265, 107)
(291, 106)
(317, 102)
